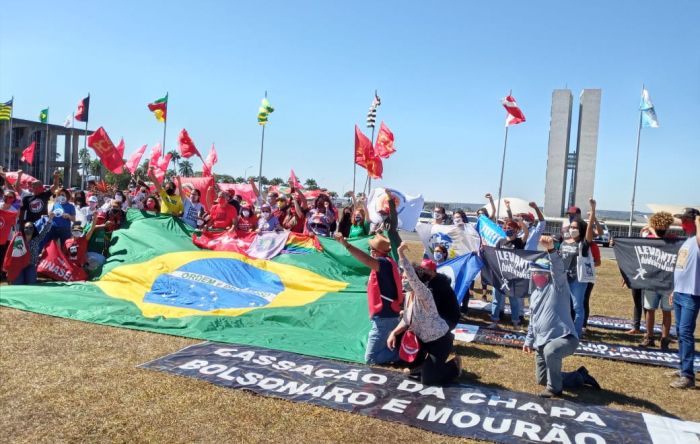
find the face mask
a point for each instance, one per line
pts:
(573, 232)
(358, 219)
(540, 280)
(77, 233)
(438, 256)
(437, 216)
(458, 221)
(688, 226)
(61, 199)
(266, 214)
(510, 232)
(245, 213)
(150, 205)
(170, 191)
(118, 198)
(195, 198)
(405, 286)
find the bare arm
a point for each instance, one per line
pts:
(154, 179)
(508, 210)
(591, 221)
(493, 207)
(179, 188)
(534, 206)
(91, 231)
(255, 189)
(358, 254)
(526, 232)
(54, 186)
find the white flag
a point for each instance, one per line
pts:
(69, 121)
(408, 208)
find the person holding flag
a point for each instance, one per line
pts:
(24, 253)
(171, 203)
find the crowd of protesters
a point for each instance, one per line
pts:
(405, 300)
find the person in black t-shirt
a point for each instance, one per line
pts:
(36, 205)
(511, 242)
(443, 294)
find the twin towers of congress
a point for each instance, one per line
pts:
(578, 166)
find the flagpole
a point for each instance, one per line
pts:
(12, 111)
(503, 165)
(165, 121)
(82, 176)
(70, 151)
(262, 148)
(636, 164)
(47, 150)
(369, 178)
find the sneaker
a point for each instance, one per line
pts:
(683, 382)
(647, 342)
(665, 342)
(633, 331)
(547, 393)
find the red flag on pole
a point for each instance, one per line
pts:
(187, 148)
(155, 155)
(515, 114)
(211, 159)
(384, 146)
(363, 148)
(375, 168)
(135, 159)
(293, 181)
(106, 151)
(83, 110)
(28, 153)
(120, 148)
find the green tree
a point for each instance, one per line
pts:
(186, 169)
(277, 181)
(120, 181)
(225, 178)
(170, 173)
(311, 184)
(239, 179)
(95, 167)
(175, 159)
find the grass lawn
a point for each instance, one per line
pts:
(65, 380)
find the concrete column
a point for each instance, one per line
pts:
(558, 148)
(587, 146)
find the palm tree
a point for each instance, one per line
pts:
(277, 181)
(185, 169)
(311, 184)
(175, 159)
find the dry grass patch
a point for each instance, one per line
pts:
(64, 380)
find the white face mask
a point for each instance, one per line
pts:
(438, 256)
(77, 233)
(92, 205)
(265, 214)
(573, 232)
(458, 221)
(118, 198)
(61, 199)
(245, 213)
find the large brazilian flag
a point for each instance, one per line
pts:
(156, 280)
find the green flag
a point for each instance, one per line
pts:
(303, 300)
(44, 115)
(264, 111)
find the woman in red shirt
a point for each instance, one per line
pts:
(222, 215)
(247, 221)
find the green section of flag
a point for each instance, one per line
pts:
(44, 115)
(6, 110)
(162, 100)
(334, 326)
(264, 111)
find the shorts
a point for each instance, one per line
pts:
(655, 299)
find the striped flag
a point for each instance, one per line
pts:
(515, 114)
(372, 113)
(649, 119)
(159, 108)
(6, 110)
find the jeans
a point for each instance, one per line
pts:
(587, 303)
(687, 307)
(27, 276)
(377, 351)
(548, 363)
(498, 304)
(637, 299)
(61, 234)
(578, 295)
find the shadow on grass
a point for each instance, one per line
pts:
(607, 397)
(475, 352)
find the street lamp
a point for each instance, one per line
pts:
(245, 173)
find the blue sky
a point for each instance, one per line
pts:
(441, 69)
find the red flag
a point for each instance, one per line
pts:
(7, 220)
(189, 184)
(384, 146)
(106, 151)
(27, 180)
(293, 181)
(120, 148)
(56, 266)
(363, 148)
(156, 151)
(187, 148)
(208, 165)
(245, 190)
(375, 168)
(28, 153)
(135, 159)
(164, 162)
(16, 258)
(83, 110)
(515, 114)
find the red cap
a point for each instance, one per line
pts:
(573, 210)
(429, 264)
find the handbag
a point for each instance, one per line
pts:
(585, 268)
(409, 346)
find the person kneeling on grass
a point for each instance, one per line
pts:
(551, 333)
(384, 296)
(421, 316)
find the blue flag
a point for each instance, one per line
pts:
(649, 119)
(489, 231)
(462, 270)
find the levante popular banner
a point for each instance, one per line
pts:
(647, 264)
(157, 280)
(464, 410)
(509, 270)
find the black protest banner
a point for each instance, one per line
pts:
(603, 350)
(472, 411)
(509, 270)
(604, 322)
(647, 264)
